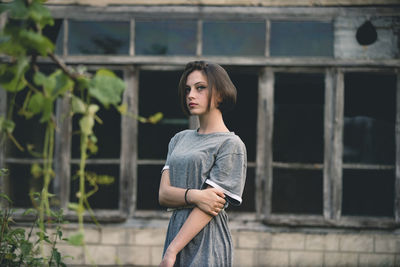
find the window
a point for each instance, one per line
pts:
(369, 144)
(169, 37)
(233, 38)
(98, 37)
(301, 39)
(317, 110)
(298, 143)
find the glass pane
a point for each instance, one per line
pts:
(369, 118)
(98, 37)
(170, 37)
(301, 39)
(297, 191)
(27, 132)
(234, 38)
(248, 197)
(368, 192)
(299, 117)
(243, 118)
(108, 133)
(147, 188)
(107, 196)
(159, 93)
(55, 34)
(21, 183)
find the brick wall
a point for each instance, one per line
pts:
(141, 244)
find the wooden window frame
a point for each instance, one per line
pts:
(131, 64)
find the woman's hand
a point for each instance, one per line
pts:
(168, 259)
(210, 200)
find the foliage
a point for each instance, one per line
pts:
(19, 247)
(22, 42)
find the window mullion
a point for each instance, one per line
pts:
(397, 156)
(128, 177)
(337, 146)
(264, 143)
(62, 153)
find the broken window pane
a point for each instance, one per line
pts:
(98, 37)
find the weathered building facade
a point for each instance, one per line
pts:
(318, 109)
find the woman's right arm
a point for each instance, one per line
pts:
(210, 200)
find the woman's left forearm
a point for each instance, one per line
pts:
(196, 221)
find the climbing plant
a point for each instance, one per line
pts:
(22, 44)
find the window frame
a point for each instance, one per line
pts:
(333, 68)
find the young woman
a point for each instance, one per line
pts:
(204, 171)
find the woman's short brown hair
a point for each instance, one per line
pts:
(218, 80)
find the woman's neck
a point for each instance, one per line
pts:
(212, 122)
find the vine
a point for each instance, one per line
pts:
(22, 42)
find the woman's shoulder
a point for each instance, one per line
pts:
(234, 143)
(179, 135)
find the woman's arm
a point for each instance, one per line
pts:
(196, 221)
(210, 200)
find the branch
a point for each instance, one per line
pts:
(64, 67)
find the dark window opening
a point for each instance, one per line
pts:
(297, 191)
(368, 192)
(299, 117)
(107, 194)
(369, 118)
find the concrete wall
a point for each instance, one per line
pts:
(226, 2)
(141, 243)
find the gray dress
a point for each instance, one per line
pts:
(194, 161)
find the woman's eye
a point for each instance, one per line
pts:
(187, 90)
(201, 88)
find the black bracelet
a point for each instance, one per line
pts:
(187, 202)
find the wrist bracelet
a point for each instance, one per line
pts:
(187, 202)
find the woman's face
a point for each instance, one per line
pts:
(197, 93)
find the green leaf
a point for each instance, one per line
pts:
(36, 103)
(76, 239)
(26, 247)
(56, 256)
(18, 9)
(6, 125)
(47, 110)
(5, 197)
(4, 7)
(86, 124)
(155, 117)
(36, 41)
(40, 14)
(12, 77)
(106, 87)
(78, 106)
(29, 211)
(36, 170)
(63, 83)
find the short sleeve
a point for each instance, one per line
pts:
(229, 171)
(171, 146)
